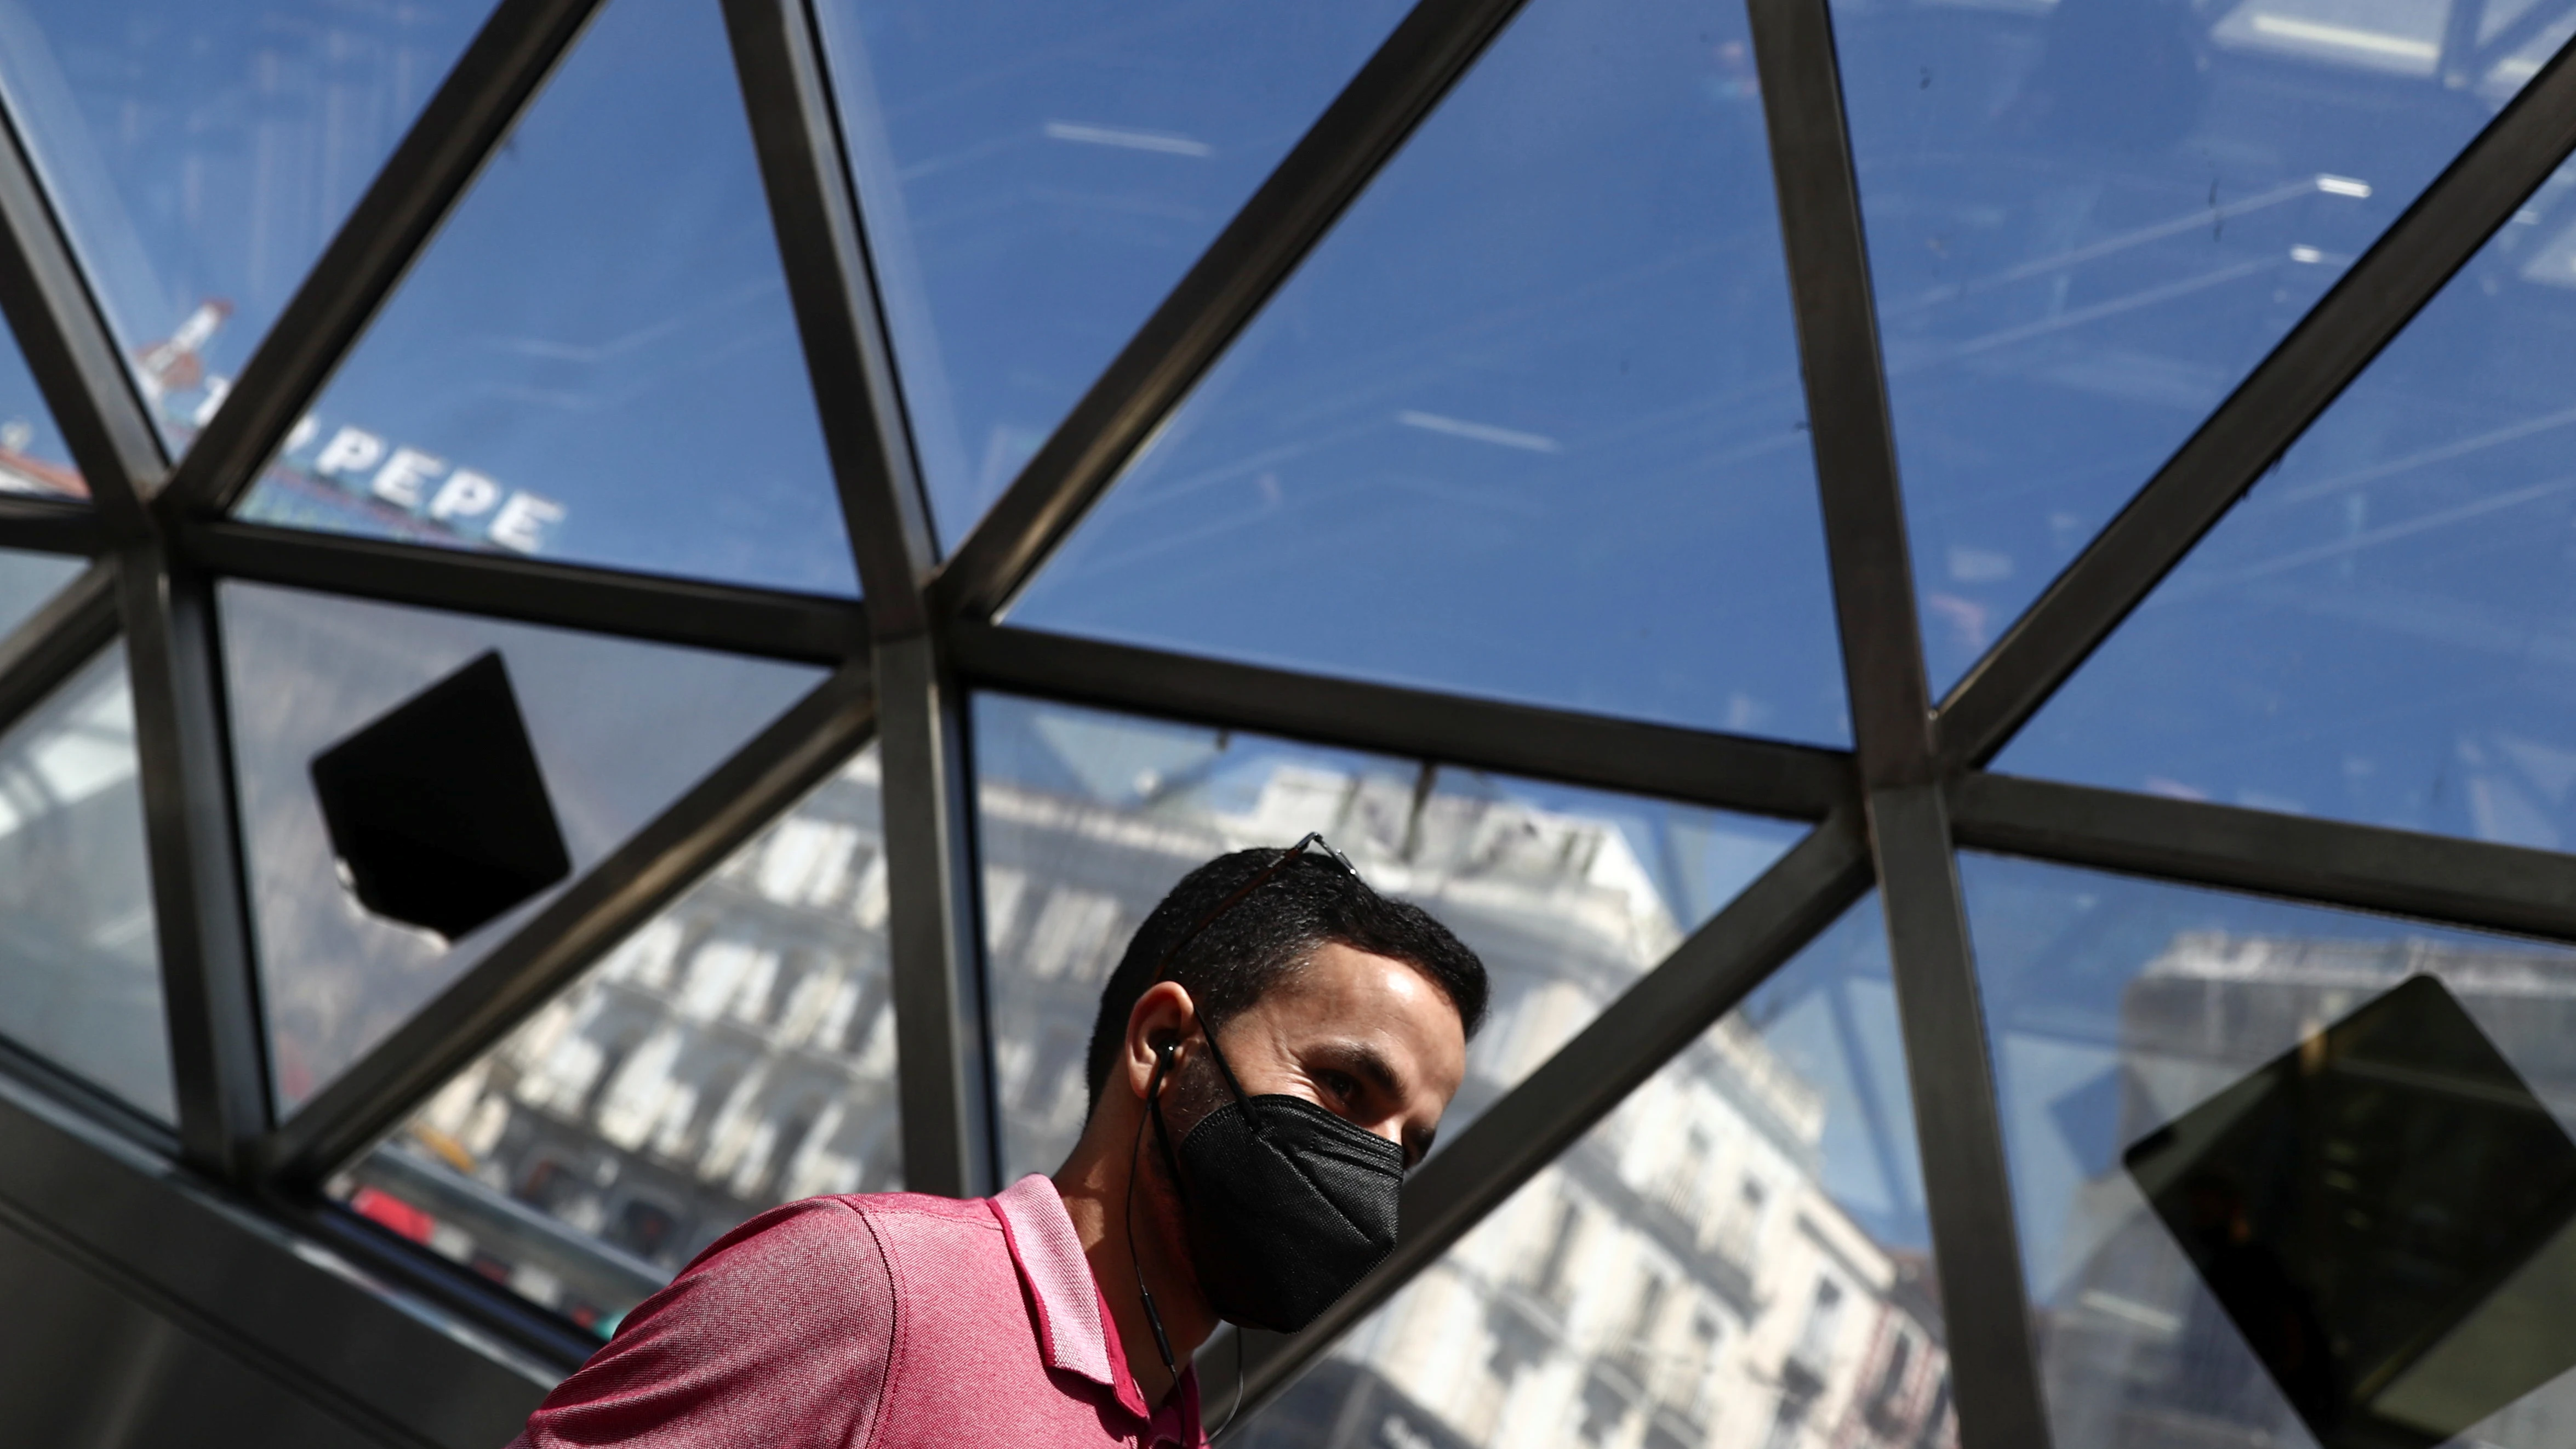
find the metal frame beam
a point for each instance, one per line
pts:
(935, 941)
(41, 525)
(2471, 883)
(2268, 411)
(777, 768)
(1994, 1370)
(906, 658)
(72, 354)
(56, 640)
(1731, 772)
(1516, 1138)
(200, 895)
(934, 928)
(474, 108)
(1374, 114)
(807, 628)
(795, 128)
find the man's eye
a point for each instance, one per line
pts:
(1340, 1084)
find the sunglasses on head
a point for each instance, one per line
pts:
(1313, 843)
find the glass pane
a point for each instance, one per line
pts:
(28, 581)
(594, 359)
(80, 970)
(2120, 1006)
(34, 461)
(1038, 176)
(1087, 819)
(734, 1054)
(1736, 1258)
(1527, 424)
(2383, 630)
(2089, 220)
(305, 671)
(203, 155)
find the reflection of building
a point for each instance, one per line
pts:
(736, 1054)
(2139, 1353)
(337, 479)
(1679, 1278)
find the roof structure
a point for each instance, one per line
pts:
(2073, 483)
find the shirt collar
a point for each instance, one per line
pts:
(1075, 1331)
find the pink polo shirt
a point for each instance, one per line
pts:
(877, 1322)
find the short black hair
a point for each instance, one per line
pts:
(1265, 937)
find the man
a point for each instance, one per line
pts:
(1273, 1051)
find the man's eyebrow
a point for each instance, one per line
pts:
(1365, 1059)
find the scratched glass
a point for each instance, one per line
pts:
(594, 359)
(2089, 219)
(2384, 630)
(1039, 175)
(1527, 424)
(202, 155)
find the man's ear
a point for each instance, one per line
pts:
(1158, 1022)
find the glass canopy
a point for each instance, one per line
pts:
(486, 838)
(2089, 220)
(1036, 177)
(2383, 632)
(309, 673)
(594, 359)
(1734, 1258)
(202, 155)
(1568, 895)
(1551, 343)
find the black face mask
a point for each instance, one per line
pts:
(1287, 1205)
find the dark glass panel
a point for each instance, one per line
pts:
(2164, 1023)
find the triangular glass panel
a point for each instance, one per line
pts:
(2089, 221)
(202, 156)
(1038, 176)
(34, 460)
(2382, 630)
(594, 359)
(1736, 1257)
(2245, 1220)
(736, 1053)
(618, 730)
(1085, 819)
(28, 581)
(1527, 424)
(80, 966)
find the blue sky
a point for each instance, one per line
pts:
(1527, 425)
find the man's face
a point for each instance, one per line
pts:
(1365, 1037)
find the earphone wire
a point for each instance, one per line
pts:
(1135, 1153)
